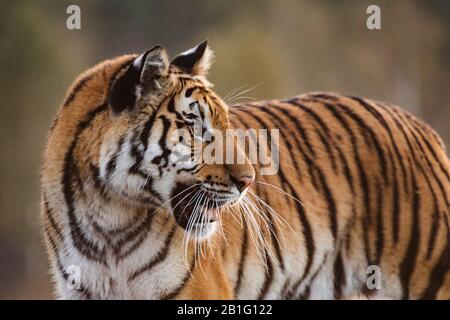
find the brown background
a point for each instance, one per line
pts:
(283, 47)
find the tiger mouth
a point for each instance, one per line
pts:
(185, 204)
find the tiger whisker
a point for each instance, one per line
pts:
(233, 91)
(279, 223)
(278, 217)
(242, 98)
(202, 222)
(197, 233)
(243, 92)
(280, 191)
(178, 194)
(222, 232)
(174, 207)
(271, 225)
(189, 226)
(241, 89)
(196, 198)
(262, 218)
(254, 230)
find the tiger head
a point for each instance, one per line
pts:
(163, 112)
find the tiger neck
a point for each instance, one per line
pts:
(115, 222)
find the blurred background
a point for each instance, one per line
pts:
(282, 47)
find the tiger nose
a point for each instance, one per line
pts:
(242, 183)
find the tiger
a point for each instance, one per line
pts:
(358, 207)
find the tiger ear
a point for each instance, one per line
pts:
(195, 61)
(144, 76)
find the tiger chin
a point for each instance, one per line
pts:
(130, 210)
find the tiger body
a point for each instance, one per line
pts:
(359, 184)
(373, 185)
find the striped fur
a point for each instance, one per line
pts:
(360, 183)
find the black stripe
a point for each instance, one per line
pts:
(346, 170)
(49, 215)
(307, 290)
(285, 289)
(396, 206)
(312, 114)
(160, 256)
(163, 145)
(379, 242)
(81, 243)
(171, 108)
(83, 291)
(264, 125)
(298, 125)
(307, 232)
(426, 129)
(149, 188)
(427, 160)
(140, 231)
(323, 95)
(137, 155)
(77, 88)
(174, 293)
(438, 274)
(202, 113)
(378, 116)
(328, 134)
(193, 170)
(98, 183)
(133, 248)
(54, 123)
(365, 128)
(409, 262)
(149, 125)
(134, 222)
(53, 245)
(281, 124)
(429, 146)
(328, 150)
(287, 142)
(111, 165)
(435, 223)
(189, 92)
(272, 229)
(330, 203)
(242, 260)
(268, 278)
(433, 172)
(339, 277)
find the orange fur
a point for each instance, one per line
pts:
(372, 181)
